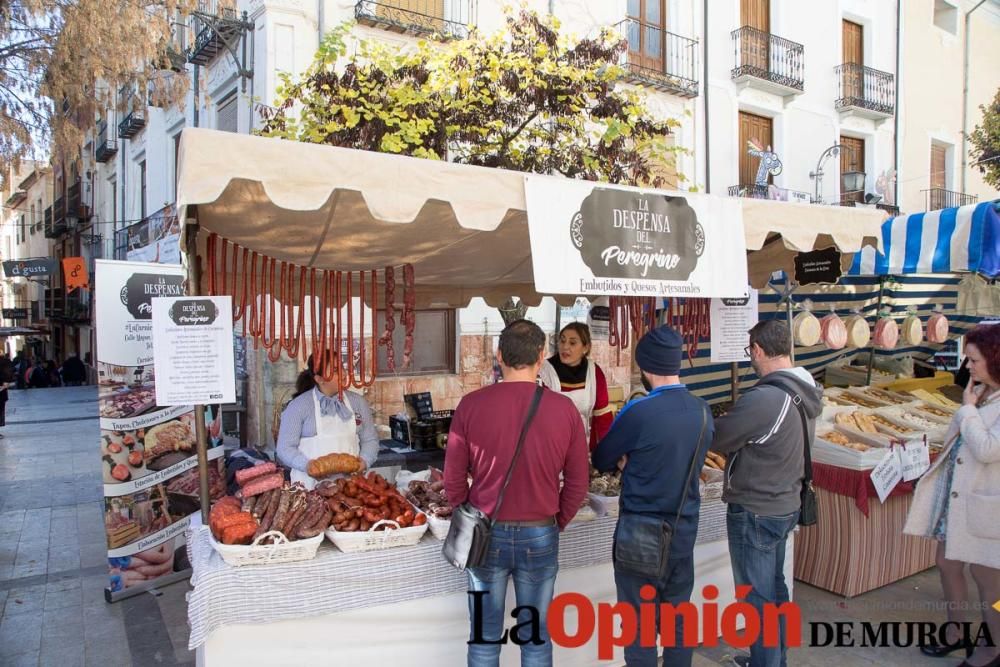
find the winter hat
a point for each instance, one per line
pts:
(659, 351)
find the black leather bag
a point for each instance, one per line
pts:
(642, 542)
(468, 537)
(808, 512)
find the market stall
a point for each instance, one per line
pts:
(250, 205)
(858, 544)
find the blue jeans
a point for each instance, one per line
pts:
(674, 588)
(757, 551)
(531, 555)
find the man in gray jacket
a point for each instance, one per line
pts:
(762, 438)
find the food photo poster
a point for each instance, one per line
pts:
(148, 452)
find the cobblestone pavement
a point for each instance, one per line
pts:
(53, 562)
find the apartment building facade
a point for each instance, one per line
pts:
(949, 68)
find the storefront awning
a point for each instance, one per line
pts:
(19, 331)
(463, 228)
(952, 240)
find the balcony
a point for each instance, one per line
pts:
(419, 17)
(135, 113)
(217, 28)
(852, 200)
(107, 147)
(768, 62)
(56, 225)
(771, 192)
(660, 59)
(939, 198)
(865, 92)
(77, 209)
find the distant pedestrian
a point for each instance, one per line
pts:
(21, 365)
(6, 376)
(36, 376)
(53, 372)
(74, 373)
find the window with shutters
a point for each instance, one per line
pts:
(433, 349)
(939, 166)
(852, 158)
(226, 114)
(142, 189)
(33, 220)
(38, 221)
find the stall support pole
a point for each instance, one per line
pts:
(201, 435)
(790, 308)
(734, 380)
(871, 350)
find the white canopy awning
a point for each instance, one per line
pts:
(463, 228)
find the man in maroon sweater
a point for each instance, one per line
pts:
(525, 540)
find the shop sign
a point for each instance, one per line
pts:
(818, 267)
(75, 273)
(193, 350)
(38, 267)
(15, 313)
(731, 321)
(588, 238)
(148, 448)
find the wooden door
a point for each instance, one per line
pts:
(853, 49)
(939, 154)
(646, 43)
(852, 158)
(757, 129)
(755, 44)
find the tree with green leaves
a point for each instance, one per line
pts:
(985, 140)
(525, 98)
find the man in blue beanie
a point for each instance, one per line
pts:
(660, 441)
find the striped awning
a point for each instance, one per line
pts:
(952, 240)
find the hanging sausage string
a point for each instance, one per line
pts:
(274, 298)
(636, 315)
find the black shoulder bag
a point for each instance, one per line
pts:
(642, 542)
(469, 535)
(808, 512)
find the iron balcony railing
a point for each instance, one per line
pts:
(850, 199)
(768, 57)
(939, 198)
(216, 25)
(660, 58)
(56, 224)
(107, 146)
(450, 18)
(135, 112)
(865, 88)
(773, 192)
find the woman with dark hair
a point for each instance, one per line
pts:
(317, 422)
(957, 501)
(573, 373)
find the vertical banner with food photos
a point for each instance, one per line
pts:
(148, 452)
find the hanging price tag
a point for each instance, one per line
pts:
(915, 459)
(887, 474)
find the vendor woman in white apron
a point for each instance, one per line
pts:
(575, 375)
(316, 422)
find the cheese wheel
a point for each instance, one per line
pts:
(912, 331)
(833, 331)
(806, 329)
(937, 328)
(858, 331)
(886, 333)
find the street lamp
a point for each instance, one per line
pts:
(832, 151)
(852, 181)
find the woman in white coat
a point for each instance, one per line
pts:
(317, 422)
(957, 501)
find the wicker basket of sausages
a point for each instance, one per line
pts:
(271, 521)
(369, 514)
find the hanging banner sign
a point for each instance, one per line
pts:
(193, 348)
(75, 273)
(148, 450)
(589, 238)
(156, 239)
(15, 313)
(731, 321)
(818, 267)
(38, 267)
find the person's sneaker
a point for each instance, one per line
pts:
(741, 660)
